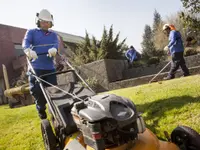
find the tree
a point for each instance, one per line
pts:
(148, 48)
(157, 20)
(160, 39)
(81, 53)
(112, 48)
(109, 47)
(192, 5)
(191, 16)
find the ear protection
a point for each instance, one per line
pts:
(37, 21)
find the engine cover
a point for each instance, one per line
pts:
(106, 120)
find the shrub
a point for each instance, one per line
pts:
(92, 82)
(190, 51)
(153, 60)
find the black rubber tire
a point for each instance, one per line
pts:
(48, 135)
(186, 138)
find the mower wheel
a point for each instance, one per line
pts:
(186, 138)
(48, 135)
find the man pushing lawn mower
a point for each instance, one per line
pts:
(40, 62)
(176, 49)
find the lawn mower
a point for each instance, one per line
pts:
(84, 120)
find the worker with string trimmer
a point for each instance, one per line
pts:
(38, 56)
(176, 49)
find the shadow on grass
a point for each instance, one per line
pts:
(157, 109)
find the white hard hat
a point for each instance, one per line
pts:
(45, 15)
(166, 26)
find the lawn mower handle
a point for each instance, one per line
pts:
(40, 54)
(56, 73)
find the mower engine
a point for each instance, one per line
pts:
(107, 121)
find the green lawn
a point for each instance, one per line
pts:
(168, 104)
(164, 106)
(20, 129)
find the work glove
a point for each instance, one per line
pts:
(52, 52)
(166, 48)
(31, 54)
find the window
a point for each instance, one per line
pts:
(18, 50)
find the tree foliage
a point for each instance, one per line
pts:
(154, 40)
(159, 39)
(157, 20)
(192, 5)
(148, 48)
(109, 47)
(191, 16)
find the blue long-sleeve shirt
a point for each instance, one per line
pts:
(34, 37)
(175, 42)
(131, 54)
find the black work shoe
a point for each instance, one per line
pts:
(185, 75)
(168, 78)
(42, 115)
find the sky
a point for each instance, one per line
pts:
(76, 16)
